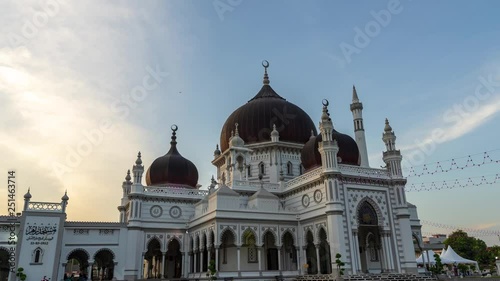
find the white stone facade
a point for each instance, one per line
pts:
(264, 216)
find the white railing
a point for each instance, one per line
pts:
(304, 178)
(366, 172)
(256, 184)
(175, 191)
(42, 206)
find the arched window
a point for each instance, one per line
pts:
(262, 168)
(289, 168)
(37, 256)
(367, 214)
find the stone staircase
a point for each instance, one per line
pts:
(367, 277)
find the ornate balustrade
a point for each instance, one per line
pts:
(303, 178)
(47, 207)
(181, 192)
(365, 172)
(256, 184)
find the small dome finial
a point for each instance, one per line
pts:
(265, 64)
(65, 196)
(325, 117)
(28, 194)
(388, 127)
(216, 151)
(128, 177)
(174, 138)
(236, 130)
(139, 160)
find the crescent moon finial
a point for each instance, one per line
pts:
(265, 63)
(174, 128)
(325, 102)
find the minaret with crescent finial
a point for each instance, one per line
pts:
(359, 128)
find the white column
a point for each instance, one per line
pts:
(162, 269)
(259, 258)
(217, 258)
(357, 258)
(389, 252)
(89, 270)
(317, 259)
(208, 257)
(238, 254)
(184, 265)
(305, 258)
(279, 258)
(202, 254)
(141, 270)
(195, 268)
(386, 252)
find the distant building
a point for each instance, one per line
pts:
(435, 242)
(286, 200)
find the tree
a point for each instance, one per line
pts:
(470, 248)
(20, 273)
(211, 270)
(340, 264)
(437, 268)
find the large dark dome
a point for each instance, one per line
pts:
(172, 168)
(257, 117)
(348, 151)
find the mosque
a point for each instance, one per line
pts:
(287, 198)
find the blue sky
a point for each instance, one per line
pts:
(62, 78)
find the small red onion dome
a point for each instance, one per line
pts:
(172, 168)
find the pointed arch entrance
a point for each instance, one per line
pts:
(271, 251)
(104, 265)
(325, 264)
(227, 251)
(153, 259)
(77, 262)
(173, 260)
(289, 253)
(369, 238)
(311, 259)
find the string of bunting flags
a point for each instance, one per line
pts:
(450, 184)
(460, 163)
(476, 232)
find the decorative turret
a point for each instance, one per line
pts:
(392, 157)
(359, 129)
(27, 198)
(275, 135)
(328, 147)
(126, 184)
(216, 151)
(138, 169)
(64, 201)
(235, 140)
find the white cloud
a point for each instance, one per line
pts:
(61, 82)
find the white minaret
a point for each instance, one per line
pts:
(328, 147)
(392, 157)
(359, 128)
